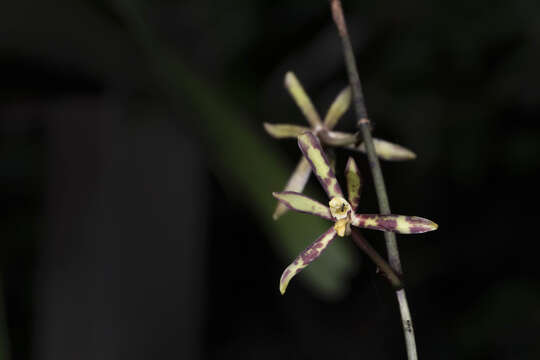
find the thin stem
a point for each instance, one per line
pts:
(383, 266)
(364, 125)
(356, 86)
(408, 329)
(378, 179)
(382, 196)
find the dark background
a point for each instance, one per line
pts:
(136, 179)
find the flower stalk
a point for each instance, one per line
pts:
(382, 265)
(378, 179)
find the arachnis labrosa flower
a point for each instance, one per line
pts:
(340, 211)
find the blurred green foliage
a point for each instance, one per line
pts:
(241, 158)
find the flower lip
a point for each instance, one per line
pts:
(343, 227)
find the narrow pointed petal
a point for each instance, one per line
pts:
(338, 138)
(301, 203)
(296, 183)
(306, 257)
(302, 100)
(354, 182)
(313, 152)
(338, 108)
(400, 224)
(389, 151)
(281, 131)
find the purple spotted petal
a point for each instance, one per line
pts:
(302, 203)
(394, 223)
(312, 252)
(354, 182)
(313, 152)
(296, 183)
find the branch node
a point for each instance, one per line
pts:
(363, 121)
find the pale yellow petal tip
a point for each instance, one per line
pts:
(280, 210)
(338, 108)
(343, 101)
(289, 78)
(345, 96)
(268, 129)
(390, 151)
(284, 282)
(405, 155)
(431, 225)
(351, 164)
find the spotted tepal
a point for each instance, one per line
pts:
(341, 211)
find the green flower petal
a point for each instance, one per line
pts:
(388, 151)
(302, 203)
(338, 138)
(354, 182)
(400, 224)
(338, 108)
(302, 100)
(313, 152)
(281, 131)
(296, 183)
(306, 257)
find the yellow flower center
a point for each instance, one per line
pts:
(341, 211)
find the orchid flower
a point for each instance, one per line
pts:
(323, 129)
(340, 211)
